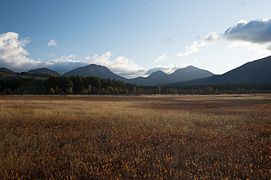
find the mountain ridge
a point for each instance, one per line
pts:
(95, 71)
(253, 72)
(160, 78)
(44, 72)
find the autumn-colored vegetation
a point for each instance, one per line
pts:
(170, 137)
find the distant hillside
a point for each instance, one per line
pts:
(180, 75)
(95, 71)
(152, 80)
(187, 74)
(255, 72)
(43, 72)
(6, 71)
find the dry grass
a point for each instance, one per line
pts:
(171, 137)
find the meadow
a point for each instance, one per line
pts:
(140, 137)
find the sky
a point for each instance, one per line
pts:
(136, 37)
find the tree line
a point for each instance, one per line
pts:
(92, 85)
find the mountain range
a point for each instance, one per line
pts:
(255, 72)
(183, 74)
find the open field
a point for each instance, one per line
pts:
(179, 137)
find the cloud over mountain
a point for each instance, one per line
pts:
(13, 54)
(120, 65)
(167, 69)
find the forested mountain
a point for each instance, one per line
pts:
(6, 71)
(43, 72)
(94, 70)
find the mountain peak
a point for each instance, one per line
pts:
(43, 71)
(5, 70)
(188, 68)
(159, 72)
(95, 70)
(183, 74)
(94, 65)
(191, 67)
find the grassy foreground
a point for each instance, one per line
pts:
(170, 137)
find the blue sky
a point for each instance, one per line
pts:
(132, 37)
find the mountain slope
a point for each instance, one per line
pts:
(95, 71)
(186, 74)
(153, 79)
(6, 71)
(255, 72)
(43, 72)
(183, 74)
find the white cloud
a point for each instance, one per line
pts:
(120, 65)
(197, 45)
(161, 58)
(212, 36)
(193, 48)
(13, 53)
(63, 59)
(258, 49)
(63, 64)
(52, 43)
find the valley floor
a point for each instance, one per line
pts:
(171, 137)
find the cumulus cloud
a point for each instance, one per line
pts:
(254, 34)
(255, 31)
(120, 65)
(161, 58)
(211, 37)
(52, 43)
(13, 53)
(191, 49)
(197, 45)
